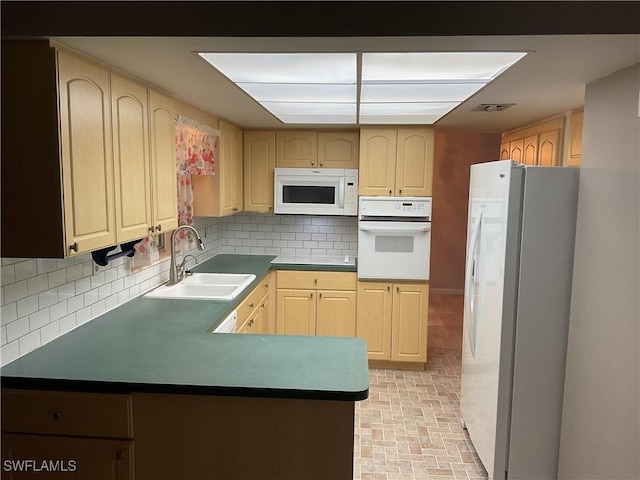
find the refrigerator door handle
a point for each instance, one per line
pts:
(469, 281)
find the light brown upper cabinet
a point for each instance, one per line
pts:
(221, 194)
(88, 181)
(574, 155)
(396, 162)
(259, 163)
(539, 144)
(338, 149)
(164, 204)
(296, 148)
(144, 160)
(313, 149)
(57, 159)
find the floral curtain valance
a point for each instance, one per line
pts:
(196, 147)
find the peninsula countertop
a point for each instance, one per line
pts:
(164, 346)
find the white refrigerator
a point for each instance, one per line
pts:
(520, 243)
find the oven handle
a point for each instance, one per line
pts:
(365, 228)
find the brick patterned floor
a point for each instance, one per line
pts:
(409, 427)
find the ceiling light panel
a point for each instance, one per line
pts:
(404, 113)
(425, 92)
(285, 92)
(285, 67)
(414, 67)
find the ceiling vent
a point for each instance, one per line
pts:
(492, 107)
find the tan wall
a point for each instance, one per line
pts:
(454, 154)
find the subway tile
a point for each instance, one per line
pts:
(310, 229)
(274, 220)
(9, 352)
(280, 243)
(66, 291)
(3, 335)
(257, 251)
(319, 237)
(50, 332)
(349, 238)
(243, 250)
(134, 291)
(112, 301)
(326, 229)
(27, 306)
(17, 329)
(16, 291)
(83, 285)
(64, 262)
(123, 296)
(87, 269)
(281, 228)
(8, 313)
(83, 316)
(287, 251)
(11, 261)
(248, 227)
(29, 342)
(243, 235)
(67, 323)
(319, 252)
(97, 279)
(325, 245)
(117, 285)
(145, 286)
(249, 242)
(91, 297)
(48, 298)
(334, 237)
(98, 308)
(303, 252)
(227, 249)
(104, 291)
(111, 275)
(272, 236)
(257, 235)
(310, 244)
(26, 269)
(39, 319)
(75, 303)
(265, 228)
(287, 236)
(294, 243)
(303, 236)
(272, 251)
(296, 228)
(38, 284)
(57, 278)
(46, 265)
(58, 310)
(318, 221)
(265, 243)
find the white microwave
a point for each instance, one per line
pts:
(308, 191)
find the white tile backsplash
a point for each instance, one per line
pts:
(289, 235)
(44, 298)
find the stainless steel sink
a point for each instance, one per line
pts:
(205, 286)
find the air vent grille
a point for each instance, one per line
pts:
(492, 107)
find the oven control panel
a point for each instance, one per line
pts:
(395, 206)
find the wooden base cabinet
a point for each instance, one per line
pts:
(76, 435)
(392, 318)
(255, 312)
(316, 303)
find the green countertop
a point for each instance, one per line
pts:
(158, 345)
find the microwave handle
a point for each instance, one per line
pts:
(365, 228)
(341, 193)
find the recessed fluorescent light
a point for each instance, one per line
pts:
(285, 67)
(407, 87)
(286, 92)
(425, 92)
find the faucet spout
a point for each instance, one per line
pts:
(174, 277)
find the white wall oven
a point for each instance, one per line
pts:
(308, 191)
(394, 238)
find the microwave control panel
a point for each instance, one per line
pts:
(396, 206)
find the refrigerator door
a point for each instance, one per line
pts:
(495, 196)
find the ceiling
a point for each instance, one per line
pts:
(550, 80)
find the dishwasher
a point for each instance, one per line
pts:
(228, 325)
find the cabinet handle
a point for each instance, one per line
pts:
(270, 207)
(74, 247)
(389, 190)
(320, 163)
(400, 190)
(315, 281)
(234, 209)
(251, 305)
(398, 289)
(120, 454)
(57, 416)
(159, 228)
(152, 229)
(320, 295)
(312, 164)
(311, 296)
(388, 288)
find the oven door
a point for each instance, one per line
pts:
(309, 195)
(394, 250)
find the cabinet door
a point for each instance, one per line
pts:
(505, 152)
(336, 313)
(238, 172)
(530, 153)
(575, 139)
(228, 171)
(259, 162)
(296, 312)
(297, 149)
(374, 318)
(163, 162)
(93, 458)
(377, 161)
(409, 322)
(130, 112)
(548, 148)
(516, 148)
(338, 149)
(414, 167)
(87, 157)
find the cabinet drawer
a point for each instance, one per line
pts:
(67, 413)
(253, 299)
(319, 280)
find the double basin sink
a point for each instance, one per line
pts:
(205, 286)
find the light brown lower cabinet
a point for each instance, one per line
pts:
(256, 312)
(393, 319)
(316, 303)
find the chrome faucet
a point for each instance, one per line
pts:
(174, 277)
